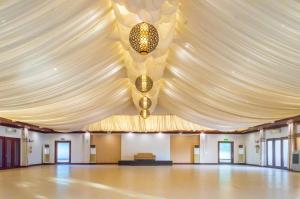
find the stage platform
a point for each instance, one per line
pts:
(145, 163)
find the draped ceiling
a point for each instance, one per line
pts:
(224, 65)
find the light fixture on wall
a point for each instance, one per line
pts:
(143, 38)
(143, 83)
(145, 102)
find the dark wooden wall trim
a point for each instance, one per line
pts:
(16, 124)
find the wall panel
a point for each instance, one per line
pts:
(182, 148)
(108, 148)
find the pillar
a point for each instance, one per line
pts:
(24, 147)
(263, 147)
(86, 147)
(292, 130)
(202, 138)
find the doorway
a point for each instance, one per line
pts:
(62, 152)
(9, 152)
(277, 153)
(225, 152)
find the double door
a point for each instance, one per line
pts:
(277, 152)
(9, 152)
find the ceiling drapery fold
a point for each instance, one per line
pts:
(224, 65)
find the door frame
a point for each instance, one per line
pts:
(4, 160)
(55, 154)
(232, 151)
(273, 154)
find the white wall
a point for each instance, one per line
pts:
(36, 143)
(209, 146)
(10, 132)
(80, 145)
(158, 144)
(277, 133)
(252, 157)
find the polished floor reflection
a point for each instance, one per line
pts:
(176, 182)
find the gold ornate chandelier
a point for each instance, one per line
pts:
(143, 38)
(145, 102)
(143, 83)
(144, 113)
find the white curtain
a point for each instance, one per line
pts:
(134, 123)
(221, 64)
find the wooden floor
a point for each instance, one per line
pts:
(176, 182)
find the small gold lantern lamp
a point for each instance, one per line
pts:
(144, 113)
(143, 83)
(145, 102)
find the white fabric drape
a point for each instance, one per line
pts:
(225, 65)
(234, 63)
(134, 123)
(60, 68)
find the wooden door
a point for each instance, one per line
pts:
(12, 152)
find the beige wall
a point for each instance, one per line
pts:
(108, 148)
(182, 147)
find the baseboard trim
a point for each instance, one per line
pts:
(183, 163)
(253, 165)
(104, 163)
(33, 165)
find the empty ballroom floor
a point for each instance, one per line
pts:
(176, 182)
